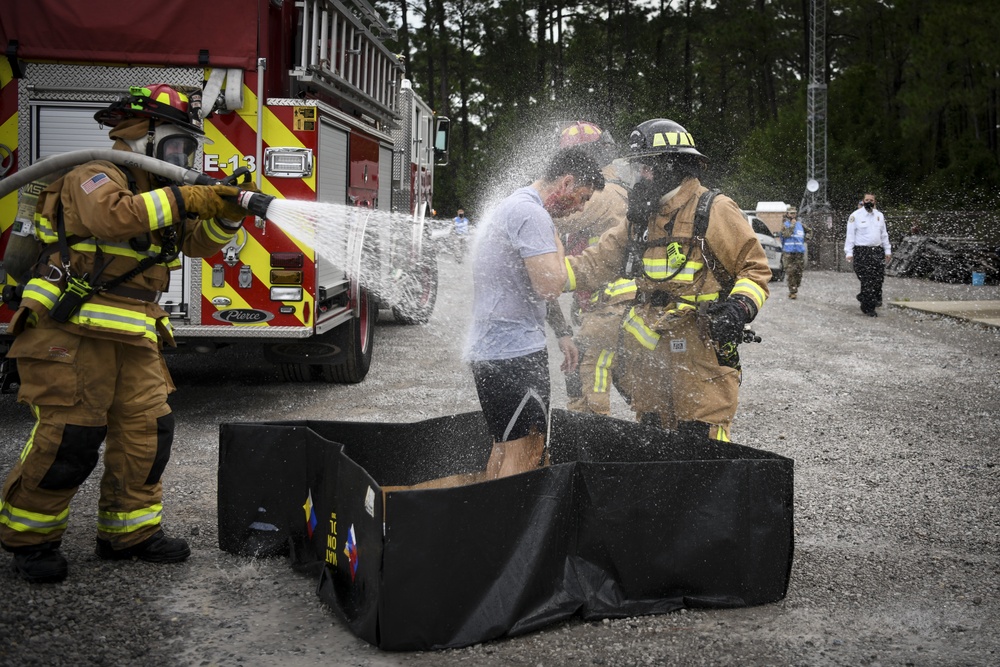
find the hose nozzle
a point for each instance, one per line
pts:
(255, 202)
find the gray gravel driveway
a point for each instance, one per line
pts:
(892, 422)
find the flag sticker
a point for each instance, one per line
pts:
(310, 509)
(95, 182)
(351, 550)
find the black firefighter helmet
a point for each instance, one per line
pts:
(660, 136)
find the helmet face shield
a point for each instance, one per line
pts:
(178, 149)
(631, 172)
(176, 146)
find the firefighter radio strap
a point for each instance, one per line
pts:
(79, 289)
(701, 215)
(676, 258)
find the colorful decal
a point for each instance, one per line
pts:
(331, 541)
(311, 520)
(95, 182)
(351, 551)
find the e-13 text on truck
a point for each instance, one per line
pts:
(305, 96)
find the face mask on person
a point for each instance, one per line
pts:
(869, 205)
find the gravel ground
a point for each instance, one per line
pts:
(892, 423)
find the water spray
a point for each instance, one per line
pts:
(356, 233)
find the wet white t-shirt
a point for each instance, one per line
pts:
(508, 316)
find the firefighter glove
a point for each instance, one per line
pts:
(214, 201)
(727, 318)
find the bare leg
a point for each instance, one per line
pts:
(516, 456)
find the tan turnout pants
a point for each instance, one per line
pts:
(82, 392)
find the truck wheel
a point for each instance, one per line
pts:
(419, 292)
(295, 372)
(357, 340)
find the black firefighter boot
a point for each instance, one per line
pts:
(39, 564)
(157, 549)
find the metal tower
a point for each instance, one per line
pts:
(814, 201)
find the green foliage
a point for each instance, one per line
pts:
(913, 90)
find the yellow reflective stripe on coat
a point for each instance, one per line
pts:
(657, 269)
(117, 249)
(24, 521)
(751, 289)
(623, 287)
(635, 325)
(570, 277)
(602, 371)
(45, 229)
(116, 319)
(158, 209)
(123, 250)
(165, 324)
(217, 232)
(688, 302)
(620, 287)
(710, 296)
(129, 522)
(42, 291)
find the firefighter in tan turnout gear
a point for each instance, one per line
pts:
(600, 312)
(88, 338)
(700, 276)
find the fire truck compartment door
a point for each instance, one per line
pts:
(331, 181)
(331, 186)
(63, 128)
(384, 178)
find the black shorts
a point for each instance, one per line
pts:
(514, 394)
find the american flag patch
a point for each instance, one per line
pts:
(95, 182)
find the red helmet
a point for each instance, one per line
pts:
(579, 132)
(158, 101)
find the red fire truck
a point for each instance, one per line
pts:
(303, 94)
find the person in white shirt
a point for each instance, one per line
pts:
(461, 234)
(867, 246)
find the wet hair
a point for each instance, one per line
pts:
(576, 162)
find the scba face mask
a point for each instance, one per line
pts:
(170, 144)
(175, 146)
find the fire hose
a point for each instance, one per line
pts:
(255, 202)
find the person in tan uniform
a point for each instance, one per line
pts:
(700, 278)
(599, 312)
(88, 338)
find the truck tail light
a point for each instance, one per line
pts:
(287, 260)
(285, 277)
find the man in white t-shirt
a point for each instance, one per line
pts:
(518, 266)
(867, 247)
